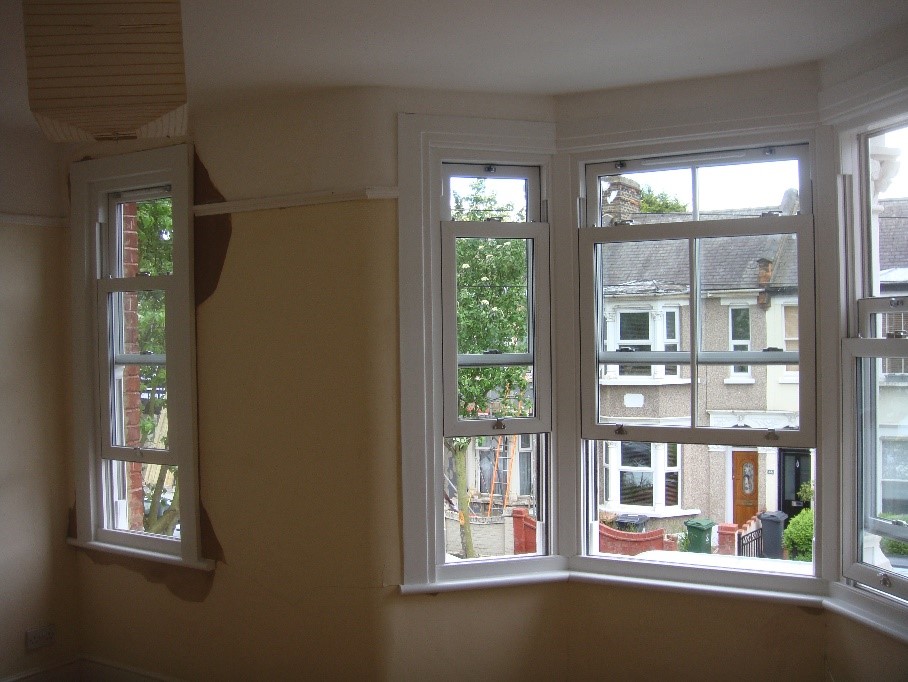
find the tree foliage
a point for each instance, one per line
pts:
(492, 310)
(661, 202)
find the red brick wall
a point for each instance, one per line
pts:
(132, 400)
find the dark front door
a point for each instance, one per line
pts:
(795, 466)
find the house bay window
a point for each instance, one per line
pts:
(637, 477)
(137, 476)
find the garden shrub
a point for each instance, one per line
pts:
(798, 537)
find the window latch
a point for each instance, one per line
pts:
(499, 425)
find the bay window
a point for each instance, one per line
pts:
(554, 376)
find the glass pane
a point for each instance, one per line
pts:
(642, 298)
(138, 320)
(759, 400)
(503, 199)
(681, 500)
(635, 454)
(493, 295)
(884, 524)
(643, 198)
(142, 497)
(493, 318)
(490, 496)
(139, 407)
(748, 190)
(758, 276)
(740, 324)
(637, 488)
(145, 238)
(671, 457)
(671, 488)
(888, 195)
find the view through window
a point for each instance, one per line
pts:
(699, 332)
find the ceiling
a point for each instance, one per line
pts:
(516, 46)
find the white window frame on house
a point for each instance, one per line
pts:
(738, 344)
(614, 466)
(96, 188)
(657, 340)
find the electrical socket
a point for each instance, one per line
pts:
(41, 636)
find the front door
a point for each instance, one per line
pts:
(746, 485)
(795, 466)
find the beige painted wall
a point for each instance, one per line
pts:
(37, 570)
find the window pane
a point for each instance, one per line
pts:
(740, 324)
(634, 326)
(480, 199)
(637, 488)
(142, 497)
(752, 269)
(139, 406)
(138, 320)
(635, 454)
(493, 295)
(888, 195)
(671, 457)
(748, 190)
(705, 486)
(884, 527)
(671, 488)
(493, 319)
(654, 277)
(760, 403)
(144, 238)
(490, 494)
(648, 197)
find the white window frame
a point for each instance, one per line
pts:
(425, 142)
(94, 186)
(732, 341)
(659, 468)
(538, 357)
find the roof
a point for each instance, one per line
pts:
(726, 263)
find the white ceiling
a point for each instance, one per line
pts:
(514, 46)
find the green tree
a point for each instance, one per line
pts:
(661, 202)
(492, 317)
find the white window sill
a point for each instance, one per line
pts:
(173, 560)
(650, 512)
(643, 381)
(742, 380)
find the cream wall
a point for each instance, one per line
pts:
(37, 571)
(300, 450)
